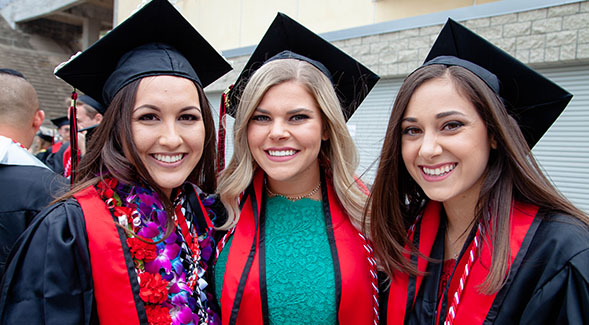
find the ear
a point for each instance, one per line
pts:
(325, 133)
(38, 119)
(98, 118)
(493, 143)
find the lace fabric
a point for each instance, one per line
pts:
(299, 267)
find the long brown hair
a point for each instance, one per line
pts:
(512, 174)
(113, 138)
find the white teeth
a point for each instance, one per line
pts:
(438, 171)
(281, 153)
(168, 158)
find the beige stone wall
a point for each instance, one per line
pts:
(229, 24)
(545, 37)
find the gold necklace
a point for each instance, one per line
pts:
(293, 198)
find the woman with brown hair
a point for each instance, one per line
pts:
(472, 231)
(132, 242)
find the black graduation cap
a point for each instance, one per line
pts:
(60, 121)
(46, 136)
(285, 38)
(93, 103)
(532, 99)
(156, 40)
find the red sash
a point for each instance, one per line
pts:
(115, 301)
(55, 147)
(474, 306)
(355, 298)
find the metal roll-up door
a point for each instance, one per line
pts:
(369, 124)
(563, 152)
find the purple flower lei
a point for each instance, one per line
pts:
(175, 261)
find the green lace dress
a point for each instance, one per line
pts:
(299, 266)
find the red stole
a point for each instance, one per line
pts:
(115, 301)
(474, 306)
(241, 299)
(55, 147)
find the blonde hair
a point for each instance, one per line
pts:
(338, 153)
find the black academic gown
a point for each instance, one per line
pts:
(56, 161)
(49, 279)
(24, 191)
(548, 282)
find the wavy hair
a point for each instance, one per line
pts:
(112, 151)
(512, 174)
(337, 154)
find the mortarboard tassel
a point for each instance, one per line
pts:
(222, 130)
(74, 155)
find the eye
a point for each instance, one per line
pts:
(452, 125)
(260, 118)
(147, 117)
(189, 117)
(299, 117)
(411, 131)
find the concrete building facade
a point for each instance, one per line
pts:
(551, 36)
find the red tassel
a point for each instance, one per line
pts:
(75, 153)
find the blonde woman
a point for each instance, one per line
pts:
(295, 244)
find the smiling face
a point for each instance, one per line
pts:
(168, 129)
(445, 144)
(284, 136)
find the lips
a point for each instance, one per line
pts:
(168, 158)
(281, 153)
(438, 171)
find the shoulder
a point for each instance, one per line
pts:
(61, 214)
(558, 245)
(31, 187)
(562, 233)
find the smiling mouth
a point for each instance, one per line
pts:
(168, 158)
(440, 171)
(281, 153)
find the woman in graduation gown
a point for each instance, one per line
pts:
(466, 226)
(294, 254)
(133, 240)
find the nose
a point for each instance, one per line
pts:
(278, 130)
(430, 147)
(169, 136)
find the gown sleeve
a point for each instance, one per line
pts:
(564, 299)
(49, 280)
(552, 283)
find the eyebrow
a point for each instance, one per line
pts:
(293, 111)
(155, 108)
(438, 116)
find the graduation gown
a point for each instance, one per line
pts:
(27, 188)
(73, 266)
(58, 159)
(243, 298)
(548, 279)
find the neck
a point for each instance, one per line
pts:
(460, 219)
(297, 186)
(17, 136)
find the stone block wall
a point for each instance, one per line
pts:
(551, 36)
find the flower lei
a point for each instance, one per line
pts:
(170, 273)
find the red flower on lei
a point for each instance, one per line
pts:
(158, 315)
(142, 250)
(152, 288)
